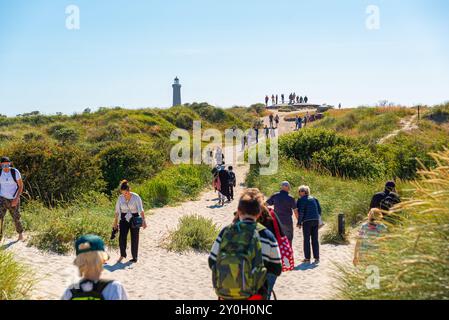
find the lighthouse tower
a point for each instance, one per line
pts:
(176, 93)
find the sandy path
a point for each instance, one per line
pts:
(165, 275)
(406, 125)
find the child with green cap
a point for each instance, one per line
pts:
(90, 258)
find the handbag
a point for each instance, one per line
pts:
(288, 261)
(136, 222)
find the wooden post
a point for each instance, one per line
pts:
(341, 225)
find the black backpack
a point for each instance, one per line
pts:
(232, 179)
(13, 174)
(389, 201)
(95, 294)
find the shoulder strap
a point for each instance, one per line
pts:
(276, 226)
(13, 174)
(101, 285)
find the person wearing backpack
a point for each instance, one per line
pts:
(90, 258)
(232, 182)
(11, 188)
(309, 220)
(387, 199)
(244, 253)
(129, 218)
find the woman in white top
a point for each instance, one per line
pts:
(129, 217)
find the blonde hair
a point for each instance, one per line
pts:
(305, 189)
(90, 262)
(375, 215)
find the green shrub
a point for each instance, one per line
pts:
(129, 161)
(193, 233)
(174, 184)
(64, 134)
(55, 173)
(301, 145)
(16, 280)
(349, 162)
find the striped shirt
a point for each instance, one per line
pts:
(270, 251)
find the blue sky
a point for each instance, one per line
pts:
(225, 52)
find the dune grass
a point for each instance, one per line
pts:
(367, 123)
(16, 280)
(194, 232)
(413, 259)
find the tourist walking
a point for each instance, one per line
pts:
(129, 218)
(368, 234)
(90, 259)
(387, 199)
(284, 206)
(11, 188)
(271, 118)
(261, 254)
(301, 100)
(309, 210)
(232, 181)
(267, 132)
(277, 99)
(276, 120)
(224, 177)
(266, 100)
(283, 98)
(306, 119)
(272, 99)
(306, 99)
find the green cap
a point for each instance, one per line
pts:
(88, 243)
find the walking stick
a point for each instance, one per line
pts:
(1, 229)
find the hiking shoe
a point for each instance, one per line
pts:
(317, 261)
(133, 260)
(306, 261)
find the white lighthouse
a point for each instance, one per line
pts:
(176, 93)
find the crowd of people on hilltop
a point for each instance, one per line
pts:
(293, 98)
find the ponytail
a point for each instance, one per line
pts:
(124, 185)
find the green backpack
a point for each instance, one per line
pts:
(239, 272)
(95, 294)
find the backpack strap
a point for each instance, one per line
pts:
(276, 226)
(98, 288)
(14, 177)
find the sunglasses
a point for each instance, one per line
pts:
(4, 165)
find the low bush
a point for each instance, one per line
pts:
(129, 161)
(54, 173)
(193, 233)
(174, 184)
(348, 162)
(302, 144)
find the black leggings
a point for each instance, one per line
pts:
(125, 228)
